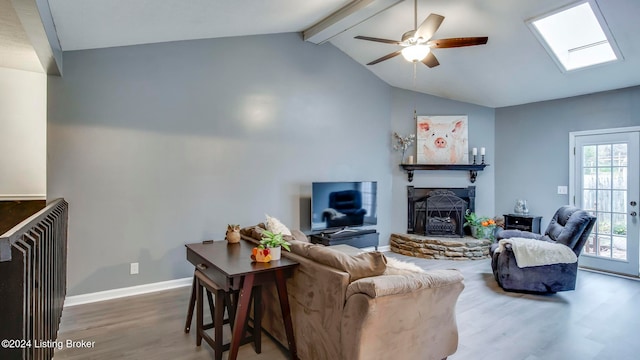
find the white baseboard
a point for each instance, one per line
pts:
(22, 197)
(128, 291)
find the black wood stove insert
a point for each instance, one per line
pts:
(439, 211)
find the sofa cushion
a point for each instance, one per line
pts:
(404, 284)
(358, 266)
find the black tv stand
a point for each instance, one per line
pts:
(359, 238)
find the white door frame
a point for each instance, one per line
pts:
(572, 153)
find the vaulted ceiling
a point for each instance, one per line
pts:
(16, 51)
(512, 68)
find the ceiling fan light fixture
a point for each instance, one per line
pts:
(415, 53)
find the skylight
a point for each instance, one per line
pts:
(575, 36)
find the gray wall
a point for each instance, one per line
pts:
(481, 134)
(532, 145)
(156, 146)
(23, 135)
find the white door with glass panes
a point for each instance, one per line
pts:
(606, 185)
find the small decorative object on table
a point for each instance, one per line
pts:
(521, 207)
(233, 234)
(481, 227)
(260, 254)
(403, 143)
(273, 242)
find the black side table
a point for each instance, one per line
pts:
(522, 222)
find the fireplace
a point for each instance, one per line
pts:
(438, 211)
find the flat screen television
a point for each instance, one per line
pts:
(336, 205)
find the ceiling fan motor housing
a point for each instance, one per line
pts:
(408, 39)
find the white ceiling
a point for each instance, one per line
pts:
(87, 24)
(513, 68)
(16, 51)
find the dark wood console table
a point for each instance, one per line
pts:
(230, 267)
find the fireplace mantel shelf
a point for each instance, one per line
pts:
(472, 168)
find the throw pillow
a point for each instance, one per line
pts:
(256, 233)
(275, 226)
(250, 231)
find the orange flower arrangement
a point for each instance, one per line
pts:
(488, 223)
(481, 227)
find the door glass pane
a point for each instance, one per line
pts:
(619, 201)
(620, 224)
(589, 178)
(604, 155)
(619, 177)
(590, 246)
(604, 246)
(620, 154)
(604, 223)
(604, 200)
(604, 178)
(589, 200)
(619, 248)
(589, 155)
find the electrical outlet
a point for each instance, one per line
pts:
(134, 268)
(562, 190)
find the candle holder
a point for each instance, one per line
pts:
(474, 159)
(481, 162)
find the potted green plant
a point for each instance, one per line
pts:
(481, 227)
(274, 242)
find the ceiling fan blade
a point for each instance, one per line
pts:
(457, 42)
(429, 26)
(430, 60)
(386, 57)
(378, 40)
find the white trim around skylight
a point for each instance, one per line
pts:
(586, 52)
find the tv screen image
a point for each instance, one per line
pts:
(336, 205)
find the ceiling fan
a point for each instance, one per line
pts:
(417, 43)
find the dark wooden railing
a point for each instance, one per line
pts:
(14, 212)
(33, 283)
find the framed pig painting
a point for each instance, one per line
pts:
(442, 140)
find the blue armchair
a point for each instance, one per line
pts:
(569, 226)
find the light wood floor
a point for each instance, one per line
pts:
(599, 320)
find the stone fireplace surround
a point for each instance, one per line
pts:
(441, 248)
(434, 246)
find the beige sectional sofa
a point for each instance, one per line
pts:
(356, 307)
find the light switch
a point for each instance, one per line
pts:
(562, 190)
